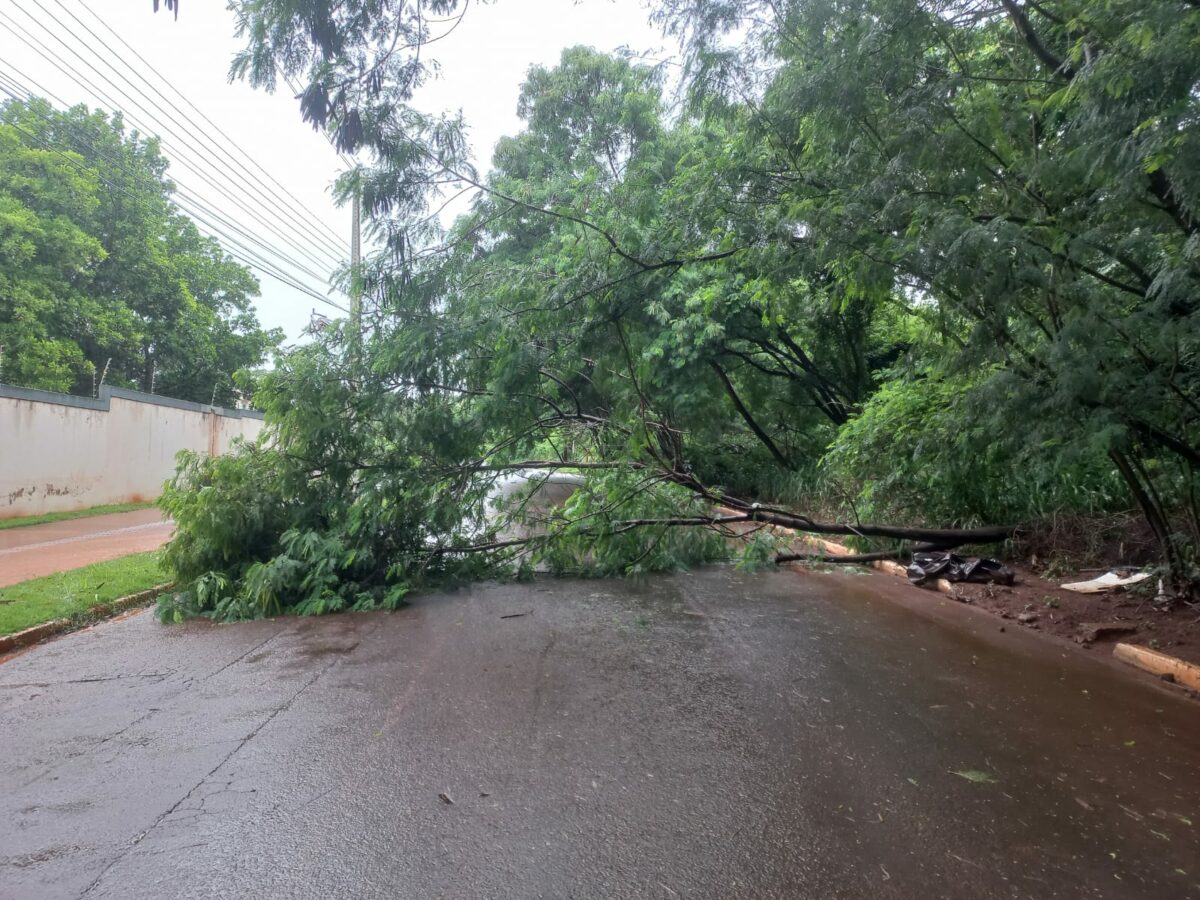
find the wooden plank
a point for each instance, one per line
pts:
(1160, 664)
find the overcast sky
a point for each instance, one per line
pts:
(483, 64)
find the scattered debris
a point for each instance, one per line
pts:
(1026, 617)
(1107, 582)
(937, 564)
(974, 775)
(1174, 623)
(445, 798)
(517, 615)
(1094, 631)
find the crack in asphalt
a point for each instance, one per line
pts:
(259, 645)
(46, 684)
(284, 707)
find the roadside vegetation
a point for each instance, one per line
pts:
(47, 518)
(72, 594)
(101, 277)
(903, 271)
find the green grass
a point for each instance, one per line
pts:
(73, 593)
(74, 514)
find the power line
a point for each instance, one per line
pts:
(190, 127)
(22, 91)
(247, 256)
(105, 97)
(181, 158)
(163, 79)
(300, 231)
(205, 209)
(216, 230)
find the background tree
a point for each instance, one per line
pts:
(98, 265)
(1023, 175)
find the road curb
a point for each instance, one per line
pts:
(38, 633)
(1161, 664)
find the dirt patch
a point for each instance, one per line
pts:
(1094, 622)
(1042, 605)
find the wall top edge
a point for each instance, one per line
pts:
(104, 402)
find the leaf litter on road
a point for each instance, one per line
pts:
(974, 775)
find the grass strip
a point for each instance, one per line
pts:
(45, 518)
(67, 594)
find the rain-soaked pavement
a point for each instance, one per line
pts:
(708, 735)
(32, 551)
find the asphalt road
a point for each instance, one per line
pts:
(32, 551)
(712, 735)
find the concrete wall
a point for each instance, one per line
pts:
(59, 452)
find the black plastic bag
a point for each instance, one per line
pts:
(936, 564)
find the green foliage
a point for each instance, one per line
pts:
(331, 510)
(592, 534)
(72, 594)
(938, 260)
(1024, 181)
(229, 513)
(96, 265)
(247, 546)
(937, 449)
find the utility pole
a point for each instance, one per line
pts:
(356, 266)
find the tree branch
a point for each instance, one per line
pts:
(1025, 30)
(762, 436)
(855, 557)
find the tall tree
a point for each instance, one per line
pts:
(1026, 174)
(573, 320)
(124, 280)
(955, 238)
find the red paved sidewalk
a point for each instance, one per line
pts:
(38, 550)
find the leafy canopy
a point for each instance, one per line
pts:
(928, 260)
(98, 269)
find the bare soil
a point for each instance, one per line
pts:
(1046, 607)
(1072, 551)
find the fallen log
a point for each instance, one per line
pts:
(852, 558)
(939, 538)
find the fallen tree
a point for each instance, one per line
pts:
(361, 494)
(731, 315)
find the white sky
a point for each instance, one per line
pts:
(483, 64)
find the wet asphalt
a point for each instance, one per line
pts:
(705, 735)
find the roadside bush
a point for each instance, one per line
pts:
(257, 536)
(937, 451)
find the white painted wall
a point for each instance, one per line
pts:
(60, 453)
